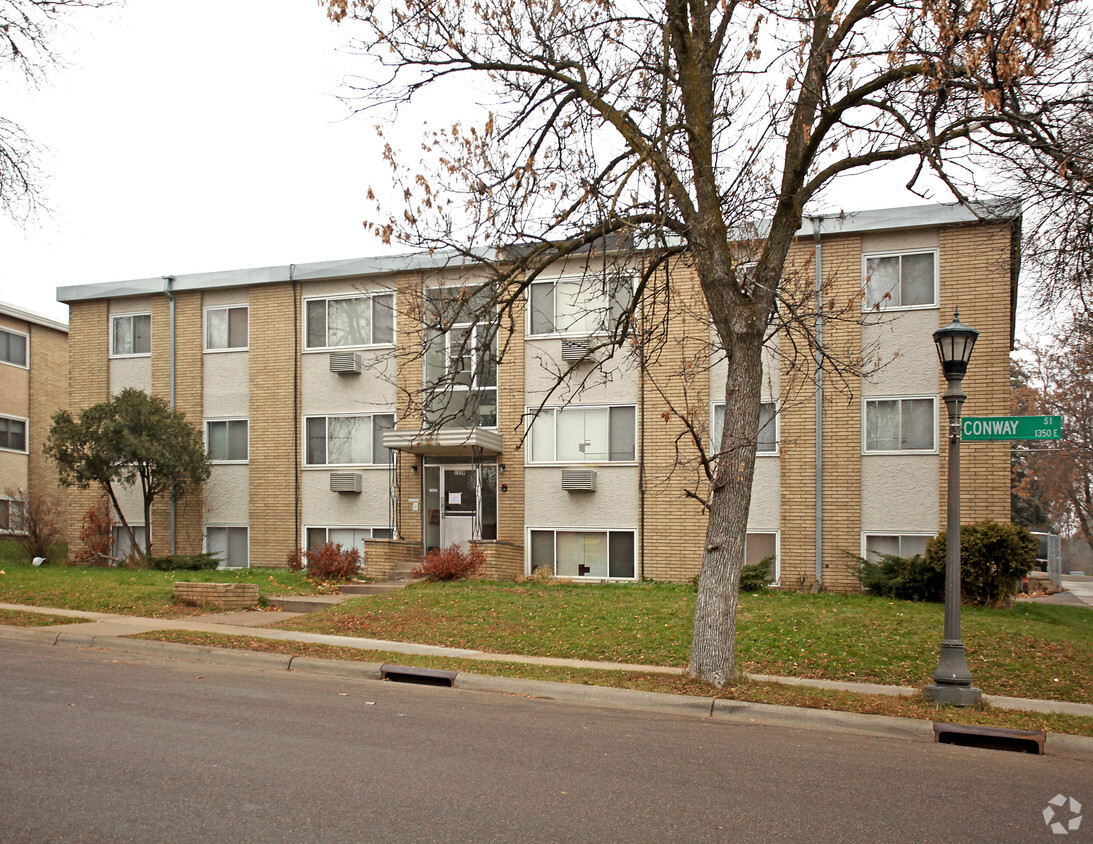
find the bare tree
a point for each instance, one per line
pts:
(28, 32)
(672, 126)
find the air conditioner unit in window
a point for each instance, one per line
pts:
(345, 481)
(577, 349)
(579, 480)
(345, 363)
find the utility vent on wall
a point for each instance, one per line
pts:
(345, 481)
(575, 350)
(579, 480)
(345, 363)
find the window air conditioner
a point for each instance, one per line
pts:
(345, 481)
(345, 363)
(577, 349)
(579, 480)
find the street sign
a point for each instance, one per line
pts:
(1011, 428)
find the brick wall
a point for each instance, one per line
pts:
(408, 381)
(88, 384)
(674, 526)
(48, 394)
(975, 276)
(510, 411)
(274, 452)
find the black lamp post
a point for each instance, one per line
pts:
(952, 679)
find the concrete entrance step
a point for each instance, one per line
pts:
(306, 603)
(372, 588)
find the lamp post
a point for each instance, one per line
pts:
(952, 679)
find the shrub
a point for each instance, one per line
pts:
(757, 576)
(330, 562)
(96, 535)
(451, 563)
(993, 558)
(184, 562)
(904, 578)
(36, 527)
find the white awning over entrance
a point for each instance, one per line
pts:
(445, 442)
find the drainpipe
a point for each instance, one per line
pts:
(818, 246)
(167, 281)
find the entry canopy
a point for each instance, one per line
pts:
(445, 442)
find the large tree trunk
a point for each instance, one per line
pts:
(713, 648)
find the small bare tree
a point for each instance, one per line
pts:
(671, 126)
(34, 523)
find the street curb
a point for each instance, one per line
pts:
(762, 714)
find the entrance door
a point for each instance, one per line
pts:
(458, 505)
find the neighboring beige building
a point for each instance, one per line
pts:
(310, 382)
(33, 386)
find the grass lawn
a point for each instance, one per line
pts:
(21, 618)
(142, 592)
(773, 693)
(1035, 650)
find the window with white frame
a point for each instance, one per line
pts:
(350, 321)
(230, 543)
(900, 424)
(578, 304)
(13, 434)
(460, 357)
(227, 440)
(122, 547)
(900, 280)
(767, 442)
(347, 440)
(13, 347)
(876, 545)
(579, 434)
(226, 329)
(758, 545)
(13, 513)
(347, 537)
(130, 335)
(601, 554)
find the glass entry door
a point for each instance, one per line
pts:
(460, 503)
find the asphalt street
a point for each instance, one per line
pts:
(104, 747)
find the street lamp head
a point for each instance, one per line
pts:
(954, 347)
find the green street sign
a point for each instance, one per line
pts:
(1011, 428)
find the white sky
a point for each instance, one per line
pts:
(207, 135)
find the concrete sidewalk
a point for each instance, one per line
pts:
(109, 630)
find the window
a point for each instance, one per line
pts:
(900, 424)
(350, 321)
(899, 545)
(583, 435)
(758, 545)
(226, 328)
(900, 281)
(230, 544)
(584, 553)
(13, 434)
(131, 334)
(13, 348)
(123, 548)
(460, 358)
(347, 537)
(12, 514)
(226, 440)
(768, 428)
(581, 305)
(347, 440)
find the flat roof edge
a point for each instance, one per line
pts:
(31, 316)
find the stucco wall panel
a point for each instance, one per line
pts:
(903, 353)
(130, 372)
(613, 381)
(226, 388)
(899, 493)
(766, 495)
(324, 508)
(13, 471)
(373, 391)
(613, 504)
(227, 498)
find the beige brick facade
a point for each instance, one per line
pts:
(672, 378)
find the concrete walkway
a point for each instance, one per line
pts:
(103, 629)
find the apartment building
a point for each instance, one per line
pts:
(359, 402)
(33, 386)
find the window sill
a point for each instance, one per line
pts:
(319, 350)
(222, 351)
(228, 462)
(908, 452)
(883, 309)
(15, 365)
(344, 466)
(130, 357)
(14, 450)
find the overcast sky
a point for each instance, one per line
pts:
(206, 135)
